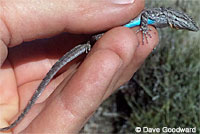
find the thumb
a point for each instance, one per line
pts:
(27, 20)
(22, 20)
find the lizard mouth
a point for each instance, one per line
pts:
(196, 28)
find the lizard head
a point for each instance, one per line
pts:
(180, 20)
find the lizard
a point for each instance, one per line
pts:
(158, 17)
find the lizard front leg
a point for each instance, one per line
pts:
(144, 26)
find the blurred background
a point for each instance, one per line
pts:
(165, 91)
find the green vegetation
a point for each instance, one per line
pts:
(165, 91)
(168, 83)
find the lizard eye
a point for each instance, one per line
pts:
(176, 19)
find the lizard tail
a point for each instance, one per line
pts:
(69, 56)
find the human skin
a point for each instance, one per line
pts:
(73, 95)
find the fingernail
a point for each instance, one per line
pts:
(122, 1)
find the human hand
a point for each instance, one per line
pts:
(77, 92)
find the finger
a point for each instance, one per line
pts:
(26, 20)
(31, 61)
(144, 50)
(23, 20)
(141, 53)
(86, 90)
(8, 95)
(3, 52)
(29, 66)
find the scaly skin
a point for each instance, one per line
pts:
(162, 17)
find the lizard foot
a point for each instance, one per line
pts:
(88, 48)
(145, 33)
